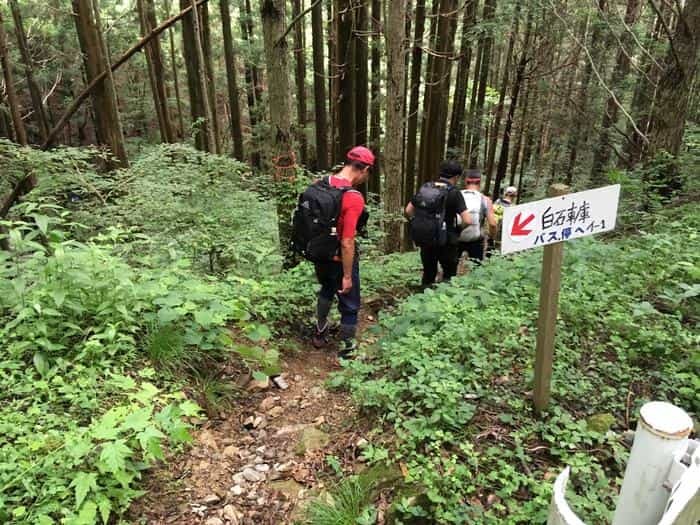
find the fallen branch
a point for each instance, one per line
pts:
(295, 21)
(77, 102)
(26, 184)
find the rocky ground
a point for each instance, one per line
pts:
(259, 463)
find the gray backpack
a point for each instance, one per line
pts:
(476, 206)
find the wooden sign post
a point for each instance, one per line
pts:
(549, 223)
(547, 320)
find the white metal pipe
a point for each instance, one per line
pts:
(662, 430)
(559, 511)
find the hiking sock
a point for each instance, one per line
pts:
(347, 340)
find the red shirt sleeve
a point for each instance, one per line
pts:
(350, 210)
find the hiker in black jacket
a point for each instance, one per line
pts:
(433, 213)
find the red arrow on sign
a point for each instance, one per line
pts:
(519, 227)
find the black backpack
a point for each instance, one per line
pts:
(314, 223)
(428, 226)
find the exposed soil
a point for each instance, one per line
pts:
(281, 436)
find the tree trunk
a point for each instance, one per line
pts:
(252, 81)
(300, 74)
(406, 68)
(345, 64)
(393, 146)
(5, 123)
(176, 80)
(455, 140)
(103, 76)
(205, 32)
(472, 100)
(154, 62)
(232, 81)
(670, 111)
(601, 156)
(505, 144)
(375, 91)
(321, 123)
(669, 115)
(437, 94)
(12, 100)
(279, 94)
(477, 124)
(517, 149)
(414, 100)
(34, 92)
(362, 72)
(643, 98)
(332, 83)
(493, 143)
(200, 108)
(104, 101)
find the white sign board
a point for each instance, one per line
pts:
(559, 219)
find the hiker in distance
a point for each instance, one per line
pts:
(504, 201)
(433, 213)
(509, 196)
(329, 214)
(472, 240)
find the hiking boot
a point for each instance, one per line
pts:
(347, 348)
(320, 337)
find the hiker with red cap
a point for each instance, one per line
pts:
(329, 214)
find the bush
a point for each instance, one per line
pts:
(79, 424)
(451, 373)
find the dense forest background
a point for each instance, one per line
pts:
(531, 92)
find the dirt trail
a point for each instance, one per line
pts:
(259, 463)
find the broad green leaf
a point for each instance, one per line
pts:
(149, 440)
(58, 296)
(123, 382)
(41, 363)
(167, 315)
(179, 433)
(87, 515)
(42, 221)
(259, 376)
(138, 420)
(190, 409)
(114, 455)
(205, 318)
(104, 506)
(258, 332)
(83, 482)
(146, 392)
(108, 425)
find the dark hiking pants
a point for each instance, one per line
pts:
(447, 256)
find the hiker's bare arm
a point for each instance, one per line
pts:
(410, 210)
(466, 218)
(347, 256)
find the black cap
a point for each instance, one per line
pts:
(450, 168)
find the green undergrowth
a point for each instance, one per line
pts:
(95, 353)
(450, 380)
(286, 300)
(125, 302)
(173, 202)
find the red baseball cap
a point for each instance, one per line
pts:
(361, 154)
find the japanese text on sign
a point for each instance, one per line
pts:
(560, 218)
